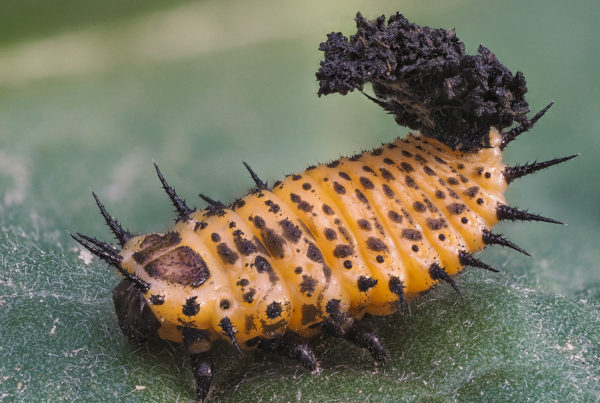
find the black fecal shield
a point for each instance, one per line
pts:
(136, 319)
(424, 78)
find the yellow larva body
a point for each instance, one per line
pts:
(339, 232)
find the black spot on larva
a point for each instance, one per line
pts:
(344, 233)
(327, 210)
(439, 160)
(232, 224)
(439, 194)
(249, 296)
(355, 157)
(419, 207)
(464, 220)
(273, 207)
(456, 208)
(397, 287)
(388, 161)
(343, 251)
(274, 243)
(415, 248)
(388, 191)
(376, 152)
(273, 310)
(242, 283)
(367, 169)
(436, 223)
(191, 307)
(227, 255)
(361, 197)
(364, 224)
(366, 283)
(460, 166)
(391, 146)
(191, 335)
(339, 189)
(258, 222)
(314, 253)
(157, 299)
(259, 245)
(407, 167)
(225, 304)
(296, 177)
(298, 270)
(215, 237)
(302, 205)
(387, 175)
(406, 153)
(181, 266)
(452, 180)
(488, 175)
(344, 175)
(412, 234)
(154, 244)
(239, 204)
(333, 164)
(428, 171)
(262, 265)
(308, 284)
(376, 244)
(463, 178)
(480, 201)
(430, 205)
(291, 232)
(420, 159)
(309, 314)
(330, 234)
(366, 183)
(472, 191)
(244, 246)
(453, 194)
(347, 264)
(380, 259)
(200, 225)
(442, 237)
(410, 182)
(306, 186)
(395, 217)
(326, 272)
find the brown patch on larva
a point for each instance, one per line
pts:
(366, 182)
(227, 255)
(333, 164)
(291, 232)
(274, 243)
(361, 197)
(376, 244)
(344, 175)
(436, 223)
(479, 170)
(249, 296)
(260, 246)
(453, 194)
(472, 191)
(430, 205)
(330, 234)
(310, 313)
(388, 161)
(453, 181)
(364, 224)
(387, 175)
(180, 266)
(249, 323)
(326, 273)
(428, 171)
(344, 233)
(439, 160)
(343, 251)
(420, 159)
(339, 189)
(327, 209)
(306, 186)
(407, 167)
(456, 208)
(367, 169)
(415, 248)
(419, 207)
(262, 265)
(244, 246)
(155, 244)
(365, 283)
(406, 153)
(273, 207)
(412, 234)
(308, 284)
(302, 204)
(297, 177)
(314, 254)
(439, 194)
(395, 217)
(388, 191)
(410, 182)
(257, 221)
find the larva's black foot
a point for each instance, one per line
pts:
(203, 372)
(365, 337)
(136, 320)
(292, 346)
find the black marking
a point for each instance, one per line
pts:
(489, 238)
(249, 296)
(504, 212)
(330, 234)
(466, 259)
(262, 265)
(453, 181)
(379, 259)
(259, 184)
(153, 244)
(366, 182)
(306, 186)
(230, 332)
(273, 207)
(347, 264)
(327, 210)
(273, 310)
(525, 125)
(200, 225)
(333, 164)
(182, 210)
(343, 251)
(224, 304)
(388, 161)
(397, 287)
(364, 224)
(387, 175)
(472, 191)
(296, 177)
(215, 237)
(298, 270)
(407, 167)
(361, 196)
(291, 232)
(314, 254)
(388, 191)
(438, 273)
(456, 208)
(344, 175)
(518, 171)
(366, 283)
(412, 234)
(310, 313)
(308, 284)
(191, 307)
(419, 207)
(157, 299)
(376, 244)
(244, 246)
(410, 182)
(121, 234)
(274, 243)
(394, 216)
(339, 189)
(179, 266)
(227, 255)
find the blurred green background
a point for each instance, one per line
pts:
(91, 92)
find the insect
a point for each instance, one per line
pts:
(360, 235)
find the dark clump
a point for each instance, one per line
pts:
(423, 77)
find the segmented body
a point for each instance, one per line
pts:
(358, 235)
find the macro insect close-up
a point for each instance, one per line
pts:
(360, 277)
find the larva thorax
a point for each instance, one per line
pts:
(358, 235)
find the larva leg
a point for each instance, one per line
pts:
(202, 369)
(292, 346)
(365, 337)
(136, 320)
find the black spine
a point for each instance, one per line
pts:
(466, 259)
(229, 331)
(489, 238)
(121, 234)
(259, 184)
(523, 127)
(518, 171)
(438, 273)
(182, 210)
(504, 212)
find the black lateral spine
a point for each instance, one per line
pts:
(259, 183)
(523, 127)
(182, 210)
(518, 171)
(121, 234)
(467, 259)
(504, 212)
(489, 238)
